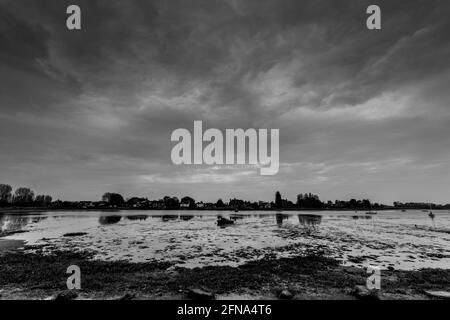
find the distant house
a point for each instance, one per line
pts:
(200, 205)
(142, 204)
(87, 205)
(209, 205)
(138, 203)
(101, 204)
(187, 202)
(159, 204)
(264, 205)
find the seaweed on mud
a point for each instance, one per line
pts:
(35, 270)
(310, 274)
(75, 234)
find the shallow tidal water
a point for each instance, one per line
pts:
(403, 240)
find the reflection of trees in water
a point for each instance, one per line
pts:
(236, 217)
(11, 223)
(169, 217)
(137, 217)
(15, 222)
(280, 218)
(362, 217)
(105, 220)
(309, 221)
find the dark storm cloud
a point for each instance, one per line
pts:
(97, 106)
(220, 45)
(21, 43)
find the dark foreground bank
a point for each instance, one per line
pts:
(39, 276)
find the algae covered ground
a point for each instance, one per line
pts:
(39, 275)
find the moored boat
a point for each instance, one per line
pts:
(221, 221)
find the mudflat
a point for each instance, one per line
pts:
(43, 276)
(8, 245)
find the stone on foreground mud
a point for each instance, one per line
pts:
(67, 295)
(200, 294)
(362, 293)
(438, 294)
(286, 295)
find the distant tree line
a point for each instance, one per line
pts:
(25, 197)
(22, 197)
(312, 201)
(307, 200)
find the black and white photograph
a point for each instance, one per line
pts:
(236, 150)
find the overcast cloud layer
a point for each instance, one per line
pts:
(361, 113)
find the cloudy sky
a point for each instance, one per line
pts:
(361, 113)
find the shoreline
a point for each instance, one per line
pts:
(313, 276)
(40, 209)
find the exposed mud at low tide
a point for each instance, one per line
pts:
(10, 245)
(43, 276)
(391, 240)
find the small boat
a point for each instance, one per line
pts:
(430, 213)
(221, 221)
(236, 209)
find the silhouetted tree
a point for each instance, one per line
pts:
(23, 196)
(48, 200)
(278, 200)
(309, 200)
(366, 203)
(43, 200)
(135, 200)
(113, 199)
(171, 202)
(237, 203)
(5, 194)
(220, 204)
(188, 200)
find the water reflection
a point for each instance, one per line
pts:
(37, 219)
(12, 223)
(393, 239)
(431, 215)
(106, 220)
(362, 217)
(169, 217)
(309, 220)
(280, 217)
(141, 217)
(15, 223)
(236, 216)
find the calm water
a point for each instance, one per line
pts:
(404, 240)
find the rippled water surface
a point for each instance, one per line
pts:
(403, 240)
